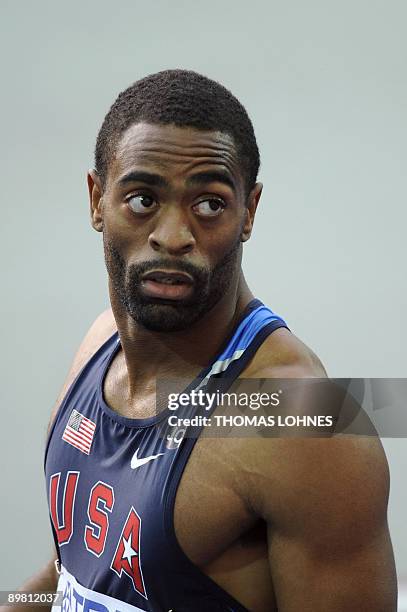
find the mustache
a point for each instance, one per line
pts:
(136, 271)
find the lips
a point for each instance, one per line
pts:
(169, 277)
(167, 284)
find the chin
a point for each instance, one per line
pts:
(165, 317)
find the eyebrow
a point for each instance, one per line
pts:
(213, 176)
(156, 180)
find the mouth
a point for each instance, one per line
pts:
(169, 277)
(167, 284)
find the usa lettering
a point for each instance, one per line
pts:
(126, 559)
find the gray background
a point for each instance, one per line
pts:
(324, 83)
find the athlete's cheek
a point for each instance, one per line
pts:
(217, 244)
(132, 241)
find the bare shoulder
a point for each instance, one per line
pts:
(100, 330)
(305, 473)
(283, 355)
(293, 477)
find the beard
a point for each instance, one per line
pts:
(155, 314)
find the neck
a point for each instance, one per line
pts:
(150, 355)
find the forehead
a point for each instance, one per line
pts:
(174, 150)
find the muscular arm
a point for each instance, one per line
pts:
(325, 503)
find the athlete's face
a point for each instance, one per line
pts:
(174, 214)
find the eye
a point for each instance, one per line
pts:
(210, 207)
(140, 203)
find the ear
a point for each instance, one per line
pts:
(252, 202)
(95, 200)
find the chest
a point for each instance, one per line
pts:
(209, 515)
(190, 491)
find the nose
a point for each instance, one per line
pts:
(172, 234)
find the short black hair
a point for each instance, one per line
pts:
(186, 99)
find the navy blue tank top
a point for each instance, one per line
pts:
(111, 484)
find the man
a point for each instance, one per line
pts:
(144, 521)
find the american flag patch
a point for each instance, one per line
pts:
(79, 432)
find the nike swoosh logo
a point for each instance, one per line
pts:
(136, 462)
